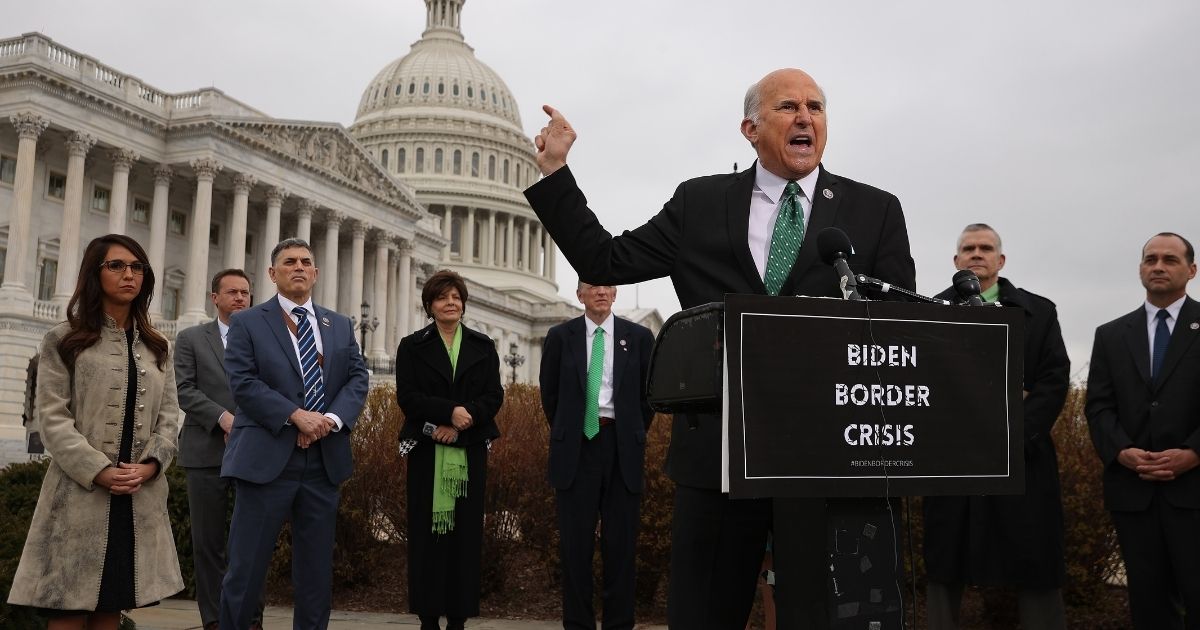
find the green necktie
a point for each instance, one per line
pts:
(786, 239)
(591, 409)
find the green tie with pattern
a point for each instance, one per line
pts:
(591, 409)
(786, 239)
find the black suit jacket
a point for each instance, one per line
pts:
(699, 240)
(1126, 408)
(564, 372)
(203, 395)
(427, 393)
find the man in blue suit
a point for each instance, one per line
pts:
(593, 380)
(299, 382)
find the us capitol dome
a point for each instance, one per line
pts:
(445, 123)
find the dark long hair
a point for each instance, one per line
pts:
(85, 311)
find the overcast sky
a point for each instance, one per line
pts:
(1072, 127)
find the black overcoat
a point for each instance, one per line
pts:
(1012, 539)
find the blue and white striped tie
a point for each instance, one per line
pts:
(314, 385)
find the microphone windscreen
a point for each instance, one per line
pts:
(832, 243)
(966, 283)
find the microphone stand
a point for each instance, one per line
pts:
(887, 287)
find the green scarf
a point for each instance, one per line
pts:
(449, 464)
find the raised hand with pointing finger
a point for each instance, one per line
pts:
(554, 141)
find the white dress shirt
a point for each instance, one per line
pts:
(223, 328)
(1152, 320)
(606, 383)
(288, 305)
(764, 210)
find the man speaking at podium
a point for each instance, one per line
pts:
(752, 232)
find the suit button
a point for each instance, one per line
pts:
(142, 371)
(1154, 404)
(141, 407)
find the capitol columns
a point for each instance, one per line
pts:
(383, 247)
(195, 293)
(447, 218)
(510, 252)
(547, 256)
(122, 161)
(329, 259)
(489, 243)
(263, 288)
(358, 234)
(29, 126)
(78, 145)
(304, 215)
(466, 249)
(404, 299)
(527, 263)
(158, 233)
(235, 246)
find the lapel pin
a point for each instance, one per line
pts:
(828, 193)
(325, 322)
(1194, 326)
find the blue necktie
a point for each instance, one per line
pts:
(1162, 337)
(314, 385)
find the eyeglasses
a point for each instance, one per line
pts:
(119, 266)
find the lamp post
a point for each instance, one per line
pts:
(364, 323)
(513, 360)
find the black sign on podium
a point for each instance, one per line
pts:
(834, 398)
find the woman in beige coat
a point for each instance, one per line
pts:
(100, 541)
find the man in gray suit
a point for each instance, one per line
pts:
(204, 396)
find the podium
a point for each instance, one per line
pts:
(857, 402)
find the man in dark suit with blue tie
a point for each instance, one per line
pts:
(593, 377)
(1143, 409)
(299, 382)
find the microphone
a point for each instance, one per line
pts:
(966, 284)
(833, 246)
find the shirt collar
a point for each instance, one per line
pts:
(772, 185)
(222, 328)
(607, 325)
(1173, 309)
(288, 305)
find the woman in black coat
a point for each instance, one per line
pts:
(448, 384)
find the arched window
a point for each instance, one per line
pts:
(441, 88)
(437, 161)
(475, 164)
(482, 94)
(492, 167)
(504, 172)
(470, 92)
(383, 158)
(457, 162)
(412, 87)
(425, 88)
(397, 89)
(455, 89)
(400, 159)
(419, 165)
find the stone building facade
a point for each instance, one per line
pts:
(428, 176)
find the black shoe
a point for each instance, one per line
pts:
(455, 623)
(429, 623)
